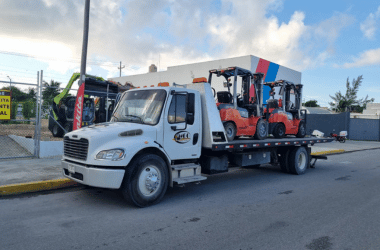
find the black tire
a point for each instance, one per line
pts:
(261, 130)
(67, 127)
(279, 131)
(57, 131)
(283, 159)
(301, 130)
(146, 180)
(230, 129)
(298, 160)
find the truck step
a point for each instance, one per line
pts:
(184, 166)
(189, 179)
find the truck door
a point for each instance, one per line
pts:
(182, 130)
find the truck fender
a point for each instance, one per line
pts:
(157, 151)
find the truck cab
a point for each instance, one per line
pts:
(150, 130)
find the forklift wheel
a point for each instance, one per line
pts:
(57, 131)
(301, 130)
(261, 130)
(279, 131)
(230, 129)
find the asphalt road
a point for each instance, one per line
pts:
(335, 206)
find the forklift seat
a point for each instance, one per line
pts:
(272, 103)
(224, 97)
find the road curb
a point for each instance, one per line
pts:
(31, 187)
(327, 152)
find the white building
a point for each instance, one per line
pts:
(371, 112)
(184, 74)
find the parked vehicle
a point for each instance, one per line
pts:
(240, 114)
(341, 137)
(61, 114)
(163, 136)
(285, 115)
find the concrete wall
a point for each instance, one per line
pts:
(47, 148)
(365, 129)
(326, 123)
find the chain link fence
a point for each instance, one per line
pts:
(21, 136)
(38, 123)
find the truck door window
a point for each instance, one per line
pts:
(177, 109)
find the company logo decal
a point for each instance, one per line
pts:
(182, 137)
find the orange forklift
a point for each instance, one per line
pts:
(284, 115)
(241, 114)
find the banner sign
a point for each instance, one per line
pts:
(5, 105)
(77, 124)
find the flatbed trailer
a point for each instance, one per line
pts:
(162, 136)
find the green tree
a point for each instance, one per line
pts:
(50, 91)
(350, 101)
(17, 94)
(311, 103)
(32, 95)
(28, 109)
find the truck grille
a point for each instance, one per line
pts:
(75, 148)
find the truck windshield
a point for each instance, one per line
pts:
(142, 106)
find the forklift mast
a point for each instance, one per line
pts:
(249, 79)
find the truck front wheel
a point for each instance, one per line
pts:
(146, 180)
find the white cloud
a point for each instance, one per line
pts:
(369, 26)
(138, 32)
(366, 58)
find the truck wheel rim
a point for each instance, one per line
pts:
(301, 161)
(149, 180)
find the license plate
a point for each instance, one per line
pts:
(71, 168)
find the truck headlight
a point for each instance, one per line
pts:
(112, 154)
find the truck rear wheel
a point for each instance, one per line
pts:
(146, 180)
(298, 160)
(283, 159)
(261, 129)
(230, 129)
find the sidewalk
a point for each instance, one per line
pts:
(31, 174)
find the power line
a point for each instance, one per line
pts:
(70, 60)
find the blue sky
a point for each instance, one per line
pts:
(327, 41)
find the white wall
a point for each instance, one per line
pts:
(47, 148)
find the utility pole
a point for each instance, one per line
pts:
(77, 123)
(10, 83)
(121, 68)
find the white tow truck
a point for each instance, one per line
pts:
(162, 136)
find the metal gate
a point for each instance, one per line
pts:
(20, 136)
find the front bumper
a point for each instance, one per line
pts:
(96, 177)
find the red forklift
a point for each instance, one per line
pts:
(283, 111)
(241, 114)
